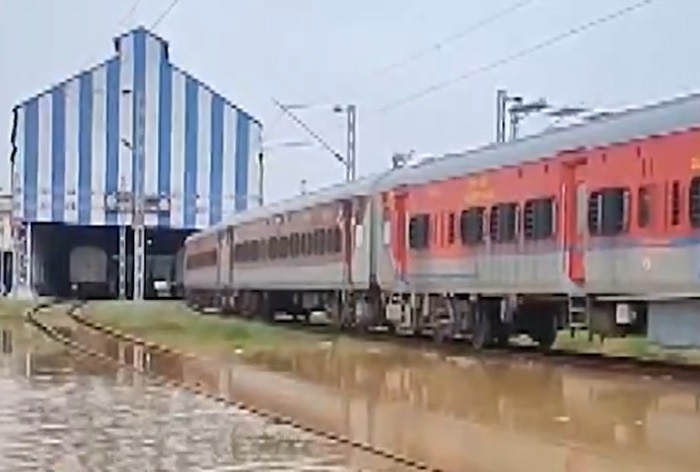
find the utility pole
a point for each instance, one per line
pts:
(122, 255)
(517, 111)
(350, 157)
(138, 221)
(349, 161)
(501, 104)
(261, 178)
(133, 203)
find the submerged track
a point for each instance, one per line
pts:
(79, 349)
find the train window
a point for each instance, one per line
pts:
(236, 252)
(608, 211)
(254, 250)
(262, 244)
(283, 248)
(272, 248)
(694, 202)
(644, 206)
(244, 251)
(675, 203)
(451, 229)
(308, 244)
(337, 240)
(328, 237)
(294, 245)
(419, 231)
(471, 225)
(594, 212)
(538, 218)
(318, 242)
(503, 221)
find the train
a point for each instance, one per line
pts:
(577, 227)
(92, 275)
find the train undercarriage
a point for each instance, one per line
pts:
(483, 321)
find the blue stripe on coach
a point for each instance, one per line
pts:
(241, 161)
(216, 177)
(31, 159)
(165, 125)
(58, 154)
(85, 149)
(191, 132)
(112, 135)
(139, 89)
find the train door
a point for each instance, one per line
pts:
(399, 242)
(574, 217)
(222, 276)
(348, 241)
(231, 253)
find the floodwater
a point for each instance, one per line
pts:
(467, 414)
(455, 414)
(61, 413)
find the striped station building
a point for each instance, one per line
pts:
(76, 156)
(74, 145)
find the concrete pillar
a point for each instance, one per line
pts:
(23, 262)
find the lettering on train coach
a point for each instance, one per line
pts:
(695, 163)
(478, 190)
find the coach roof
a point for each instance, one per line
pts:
(662, 118)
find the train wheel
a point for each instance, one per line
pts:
(545, 332)
(482, 334)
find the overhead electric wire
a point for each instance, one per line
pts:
(519, 54)
(440, 45)
(164, 13)
(129, 13)
(122, 21)
(469, 30)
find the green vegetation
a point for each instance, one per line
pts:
(172, 324)
(10, 308)
(635, 346)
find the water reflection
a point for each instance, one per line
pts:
(501, 416)
(455, 414)
(61, 413)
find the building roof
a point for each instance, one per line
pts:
(117, 39)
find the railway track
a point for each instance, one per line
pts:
(75, 347)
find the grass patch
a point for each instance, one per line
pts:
(172, 324)
(10, 308)
(635, 346)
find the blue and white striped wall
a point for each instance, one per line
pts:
(200, 150)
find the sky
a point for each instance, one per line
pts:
(325, 52)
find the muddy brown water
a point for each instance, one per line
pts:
(59, 412)
(456, 414)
